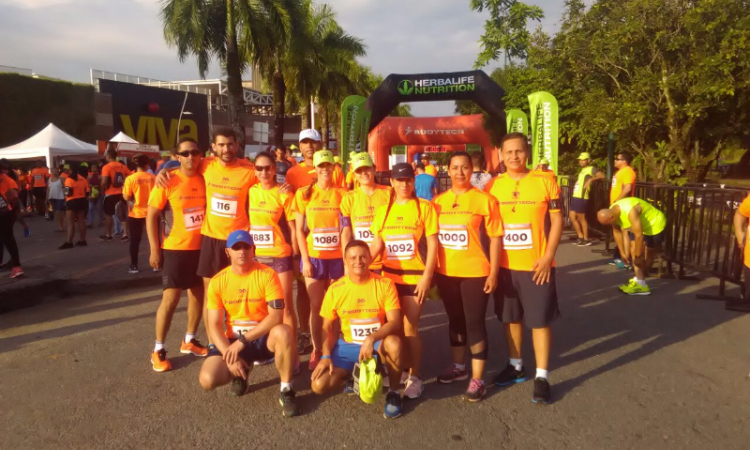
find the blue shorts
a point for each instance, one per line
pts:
(579, 205)
(651, 241)
(345, 354)
(279, 265)
(326, 269)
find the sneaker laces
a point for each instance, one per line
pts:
(475, 385)
(196, 342)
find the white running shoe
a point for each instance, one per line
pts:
(414, 388)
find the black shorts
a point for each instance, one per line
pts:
(179, 269)
(579, 205)
(77, 205)
(279, 265)
(213, 258)
(110, 202)
(651, 241)
(256, 350)
(519, 299)
(39, 192)
(746, 274)
(406, 290)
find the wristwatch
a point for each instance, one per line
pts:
(242, 339)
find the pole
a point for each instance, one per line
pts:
(177, 135)
(610, 154)
(312, 113)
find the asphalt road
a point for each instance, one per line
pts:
(660, 372)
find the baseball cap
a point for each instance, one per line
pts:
(293, 147)
(425, 156)
(84, 164)
(361, 159)
(322, 156)
(309, 134)
(336, 159)
(402, 170)
(170, 164)
(544, 162)
(66, 167)
(584, 155)
(239, 236)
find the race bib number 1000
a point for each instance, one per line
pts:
(361, 328)
(224, 205)
(325, 239)
(518, 237)
(454, 237)
(193, 217)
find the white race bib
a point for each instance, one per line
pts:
(518, 237)
(361, 328)
(362, 232)
(262, 236)
(325, 239)
(454, 237)
(37, 177)
(400, 247)
(224, 205)
(242, 327)
(193, 217)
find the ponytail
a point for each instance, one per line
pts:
(419, 208)
(308, 192)
(391, 199)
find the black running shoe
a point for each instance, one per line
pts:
(510, 376)
(239, 387)
(81, 244)
(542, 393)
(65, 246)
(393, 404)
(133, 269)
(105, 238)
(289, 407)
(585, 243)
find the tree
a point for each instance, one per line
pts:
(506, 30)
(229, 30)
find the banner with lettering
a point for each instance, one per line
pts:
(544, 128)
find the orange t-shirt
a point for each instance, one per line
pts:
(6, 184)
(359, 209)
(362, 307)
(111, 170)
(338, 177)
(300, 176)
(745, 211)
(624, 176)
(524, 205)
(39, 177)
(78, 188)
(402, 233)
(245, 298)
(323, 218)
(270, 216)
(465, 222)
(226, 196)
(138, 187)
(184, 214)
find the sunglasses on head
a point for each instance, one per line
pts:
(263, 168)
(187, 153)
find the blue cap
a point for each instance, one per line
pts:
(239, 236)
(416, 157)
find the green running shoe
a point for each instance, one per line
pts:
(637, 289)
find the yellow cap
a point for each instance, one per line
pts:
(323, 156)
(544, 162)
(292, 147)
(361, 159)
(336, 159)
(584, 155)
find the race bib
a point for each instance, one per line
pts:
(242, 326)
(193, 217)
(362, 232)
(361, 328)
(326, 239)
(224, 205)
(281, 179)
(518, 237)
(262, 236)
(400, 247)
(454, 237)
(38, 177)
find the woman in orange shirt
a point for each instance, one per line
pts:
(76, 191)
(318, 223)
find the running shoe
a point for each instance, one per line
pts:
(16, 272)
(392, 405)
(637, 289)
(303, 343)
(239, 387)
(264, 362)
(133, 268)
(510, 375)
(81, 244)
(314, 360)
(541, 391)
(65, 246)
(160, 362)
(627, 285)
(125, 239)
(585, 243)
(387, 381)
(620, 264)
(413, 388)
(26, 231)
(288, 403)
(578, 242)
(193, 347)
(105, 238)
(349, 387)
(475, 392)
(453, 374)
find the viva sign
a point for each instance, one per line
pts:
(436, 85)
(544, 132)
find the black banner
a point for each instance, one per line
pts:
(151, 115)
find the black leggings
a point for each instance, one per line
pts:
(466, 305)
(7, 240)
(135, 231)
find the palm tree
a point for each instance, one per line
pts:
(229, 30)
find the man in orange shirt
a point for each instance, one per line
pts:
(528, 292)
(136, 191)
(429, 169)
(623, 185)
(113, 179)
(250, 297)
(742, 236)
(9, 201)
(39, 176)
(182, 205)
(303, 173)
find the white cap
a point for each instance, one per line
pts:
(309, 134)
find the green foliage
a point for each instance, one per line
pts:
(505, 32)
(35, 103)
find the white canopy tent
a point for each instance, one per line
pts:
(122, 137)
(51, 143)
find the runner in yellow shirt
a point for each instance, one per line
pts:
(429, 169)
(467, 269)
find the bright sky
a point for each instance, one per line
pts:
(65, 38)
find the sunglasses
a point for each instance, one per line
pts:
(241, 246)
(190, 153)
(263, 168)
